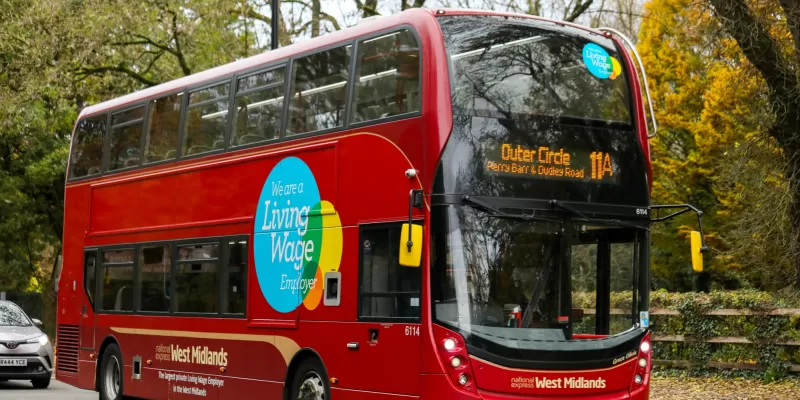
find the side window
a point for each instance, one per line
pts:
(196, 278)
(126, 135)
(161, 142)
(155, 271)
(387, 290)
(259, 103)
(388, 77)
(206, 120)
(87, 147)
(234, 280)
(319, 88)
(117, 275)
(90, 274)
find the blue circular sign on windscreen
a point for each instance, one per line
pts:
(597, 61)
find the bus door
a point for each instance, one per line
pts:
(386, 341)
(87, 299)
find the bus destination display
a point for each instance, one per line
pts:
(551, 162)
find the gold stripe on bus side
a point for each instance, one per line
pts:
(287, 347)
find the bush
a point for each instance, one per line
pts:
(763, 330)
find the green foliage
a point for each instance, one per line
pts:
(763, 330)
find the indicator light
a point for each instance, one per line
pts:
(645, 347)
(449, 344)
(642, 362)
(463, 379)
(455, 362)
(637, 379)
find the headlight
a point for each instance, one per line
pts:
(42, 340)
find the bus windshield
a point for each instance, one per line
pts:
(501, 67)
(503, 279)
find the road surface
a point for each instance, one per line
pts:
(22, 390)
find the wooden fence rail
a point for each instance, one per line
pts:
(718, 339)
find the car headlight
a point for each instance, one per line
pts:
(42, 340)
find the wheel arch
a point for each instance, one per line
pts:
(109, 340)
(297, 360)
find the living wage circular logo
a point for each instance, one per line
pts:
(297, 238)
(600, 63)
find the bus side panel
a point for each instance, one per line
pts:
(177, 367)
(76, 367)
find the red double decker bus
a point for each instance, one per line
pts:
(412, 207)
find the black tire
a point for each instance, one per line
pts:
(41, 383)
(112, 359)
(310, 369)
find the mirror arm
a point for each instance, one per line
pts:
(414, 200)
(685, 208)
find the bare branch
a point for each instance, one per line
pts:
(83, 73)
(580, 8)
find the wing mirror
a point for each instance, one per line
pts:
(411, 234)
(37, 322)
(697, 251)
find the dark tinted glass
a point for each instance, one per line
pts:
(87, 147)
(388, 81)
(117, 275)
(388, 289)
(502, 68)
(205, 128)
(258, 116)
(215, 92)
(90, 275)
(259, 80)
(118, 256)
(236, 278)
(319, 88)
(156, 274)
(196, 289)
(127, 116)
(530, 120)
(198, 252)
(125, 145)
(162, 137)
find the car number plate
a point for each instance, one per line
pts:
(13, 362)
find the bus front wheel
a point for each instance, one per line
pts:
(111, 374)
(310, 382)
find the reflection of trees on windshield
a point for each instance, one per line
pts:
(506, 68)
(12, 316)
(495, 265)
(524, 86)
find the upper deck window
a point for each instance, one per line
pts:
(259, 103)
(388, 77)
(319, 88)
(162, 137)
(206, 120)
(502, 68)
(87, 147)
(126, 135)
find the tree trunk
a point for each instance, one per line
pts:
(315, 16)
(793, 174)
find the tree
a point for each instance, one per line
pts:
(768, 34)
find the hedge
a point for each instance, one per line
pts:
(764, 331)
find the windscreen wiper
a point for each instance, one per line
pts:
(496, 212)
(563, 207)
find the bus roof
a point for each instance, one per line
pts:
(409, 16)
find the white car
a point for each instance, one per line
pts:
(25, 351)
